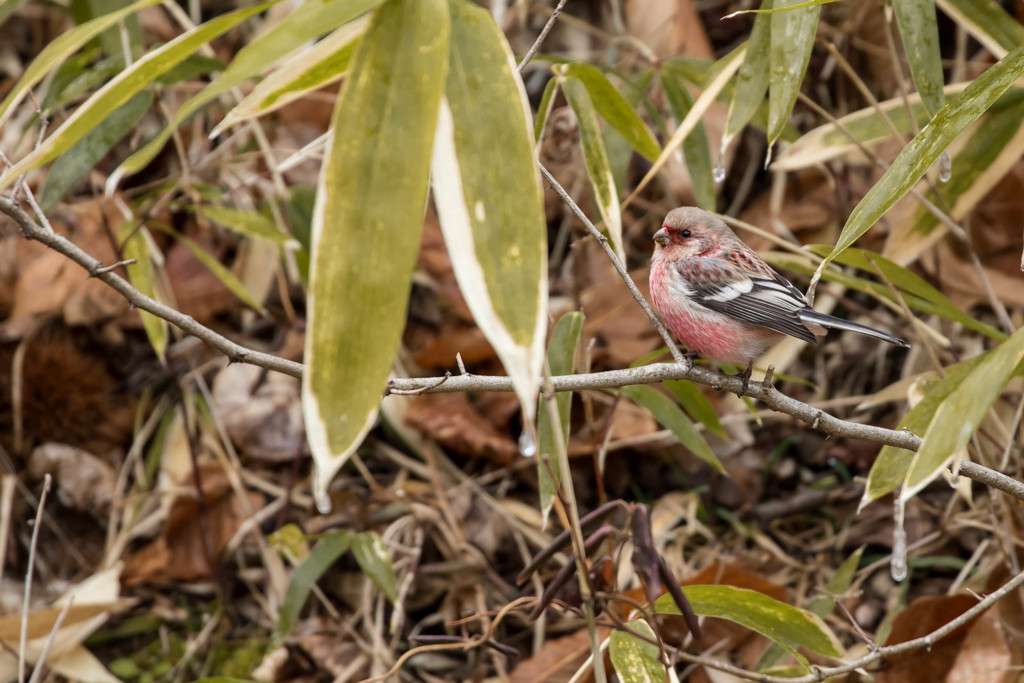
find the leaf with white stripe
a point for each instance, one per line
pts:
(488, 197)
(309, 20)
(598, 167)
(366, 225)
(792, 37)
(120, 89)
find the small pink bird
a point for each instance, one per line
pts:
(722, 301)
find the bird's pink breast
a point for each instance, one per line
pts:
(713, 335)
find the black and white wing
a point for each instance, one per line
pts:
(766, 298)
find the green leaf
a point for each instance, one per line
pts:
(792, 628)
(614, 108)
(924, 150)
(671, 416)
(696, 148)
(302, 24)
(250, 224)
(544, 108)
(890, 467)
(942, 306)
(487, 193)
(636, 659)
(919, 30)
(717, 78)
(76, 163)
(987, 22)
(992, 148)
(959, 416)
(217, 268)
(792, 37)
(322, 64)
(373, 559)
(821, 607)
(561, 355)
(135, 244)
(598, 168)
(331, 546)
(366, 228)
(123, 87)
(866, 126)
(59, 49)
(752, 77)
(696, 404)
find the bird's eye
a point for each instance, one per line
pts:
(685, 233)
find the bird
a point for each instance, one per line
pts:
(722, 301)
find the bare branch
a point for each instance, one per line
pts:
(236, 352)
(543, 34)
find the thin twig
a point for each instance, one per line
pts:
(23, 643)
(543, 34)
(677, 355)
(235, 352)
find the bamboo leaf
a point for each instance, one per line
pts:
(367, 221)
(752, 77)
(324, 63)
(614, 108)
(990, 149)
(792, 628)
(305, 22)
(250, 224)
(919, 30)
(670, 416)
(332, 546)
(135, 244)
(598, 168)
(561, 356)
(959, 416)
(636, 659)
(987, 22)
(925, 149)
(124, 86)
(866, 126)
(487, 192)
(58, 50)
(76, 163)
(694, 402)
(792, 37)
(547, 100)
(372, 556)
(723, 70)
(696, 147)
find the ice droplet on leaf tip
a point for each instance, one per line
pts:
(719, 171)
(898, 565)
(527, 445)
(323, 501)
(945, 167)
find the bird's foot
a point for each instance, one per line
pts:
(746, 378)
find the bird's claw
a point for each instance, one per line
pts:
(746, 378)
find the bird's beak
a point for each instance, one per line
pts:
(662, 238)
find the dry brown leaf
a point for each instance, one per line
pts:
(558, 659)
(451, 420)
(261, 411)
(181, 552)
(49, 284)
(918, 619)
(984, 656)
(84, 482)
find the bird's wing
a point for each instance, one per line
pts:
(761, 297)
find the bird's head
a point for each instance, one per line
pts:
(689, 232)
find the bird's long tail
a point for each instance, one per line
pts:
(808, 315)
